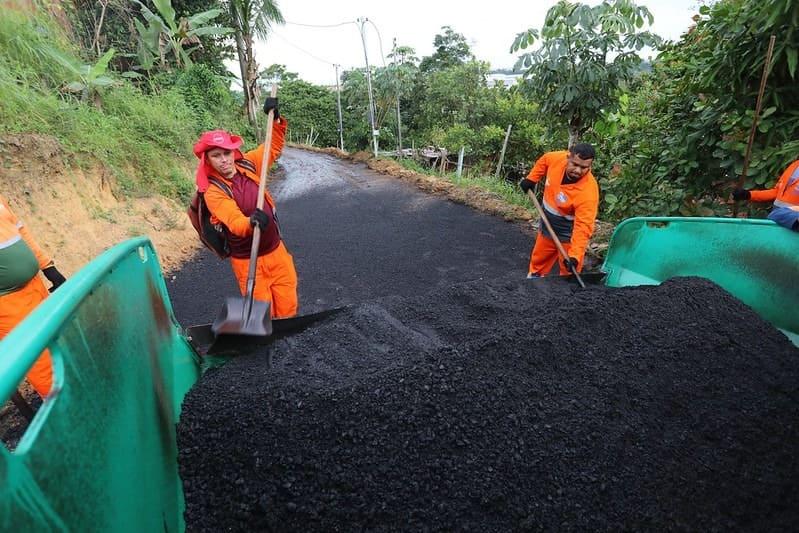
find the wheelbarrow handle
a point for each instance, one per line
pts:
(555, 239)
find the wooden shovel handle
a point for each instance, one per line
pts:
(555, 239)
(256, 232)
(753, 129)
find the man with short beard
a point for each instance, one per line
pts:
(571, 202)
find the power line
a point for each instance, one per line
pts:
(321, 25)
(379, 40)
(302, 49)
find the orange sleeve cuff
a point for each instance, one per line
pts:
(769, 195)
(278, 142)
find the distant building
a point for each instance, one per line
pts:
(508, 80)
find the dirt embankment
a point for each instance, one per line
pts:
(76, 214)
(473, 196)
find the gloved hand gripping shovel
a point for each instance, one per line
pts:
(558, 245)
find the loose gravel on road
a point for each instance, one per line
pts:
(508, 405)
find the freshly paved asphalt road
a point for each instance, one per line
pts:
(356, 234)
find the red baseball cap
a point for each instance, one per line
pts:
(208, 140)
(216, 139)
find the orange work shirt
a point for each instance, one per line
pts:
(222, 207)
(570, 207)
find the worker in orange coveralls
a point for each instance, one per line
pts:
(21, 287)
(785, 196)
(571, 202)
(220, 158)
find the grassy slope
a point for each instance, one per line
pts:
(143, 140)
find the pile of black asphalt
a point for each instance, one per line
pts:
(504, 405)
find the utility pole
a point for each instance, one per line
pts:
(340, 120)
(362, 21)
(399, 87)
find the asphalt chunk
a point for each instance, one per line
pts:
(504, 406)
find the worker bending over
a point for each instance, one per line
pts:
(221, 160)
(785, 196)
(571, 202)
(21, 287)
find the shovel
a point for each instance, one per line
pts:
(245, 317)
(205, 342)
(558, 245)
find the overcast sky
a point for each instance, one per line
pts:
(489, 28)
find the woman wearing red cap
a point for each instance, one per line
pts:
(221, 159)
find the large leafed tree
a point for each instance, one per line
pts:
(585, 55)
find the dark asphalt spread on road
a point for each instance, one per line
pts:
(454, 395)
(355, 235)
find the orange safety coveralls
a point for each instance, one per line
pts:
(18, 301)
(571, 209)
(275, 276)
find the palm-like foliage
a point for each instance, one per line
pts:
(250, 19)
(86, 79)
(165, 33)
(254, 17)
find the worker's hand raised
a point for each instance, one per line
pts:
(269, 104)
(260, 219)
(741, 194)
(570, 263)
(54, 276)
(526, 185)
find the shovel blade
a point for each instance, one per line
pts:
(202, 337)
(234, 320)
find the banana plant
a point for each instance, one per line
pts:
(87, 80)
(165, 34)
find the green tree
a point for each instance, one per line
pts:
(209, 98)
(451, 49)
(214, 49)
(400, 77)
(276, 74)
(355, 106)
(311, 112)
(586, 54)
(455, 95)
(103, 24)
(98, 25)
(88, 80)
(251, 19)
(678, 143)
